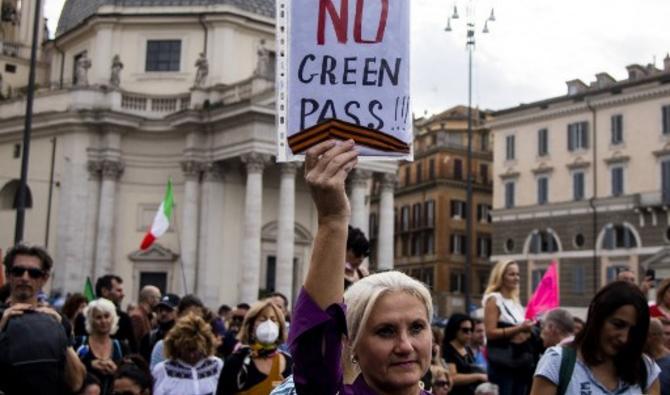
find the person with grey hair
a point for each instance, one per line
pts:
(486, 389)
(558, 327)
(99, 352)
(383, 326)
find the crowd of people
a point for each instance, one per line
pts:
(349, 331)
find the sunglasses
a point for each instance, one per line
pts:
(466, 330)
(441, 383)
(17, 271)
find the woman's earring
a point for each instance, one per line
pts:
(354, 360)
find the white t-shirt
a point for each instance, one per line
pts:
(511, 311)
(179, 378)
(583, 381)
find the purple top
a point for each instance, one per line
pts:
(315, 340)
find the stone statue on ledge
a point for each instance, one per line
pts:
(202, 66)
(81, 70)
(117, 66)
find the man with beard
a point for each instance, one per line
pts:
(166, 314)
(35, 352)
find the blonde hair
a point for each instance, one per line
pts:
(496, 279)
(661, 291)
(245, 335)
(438, 371)
(190, 332)
(104, 306)
(362, 296)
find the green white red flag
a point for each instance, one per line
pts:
(161, 220)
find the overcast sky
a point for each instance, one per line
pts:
(533, 48)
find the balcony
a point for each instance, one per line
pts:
(10, 49)
(652, 199)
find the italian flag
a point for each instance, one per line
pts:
(161, 220)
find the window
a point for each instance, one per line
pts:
(407, 170)
(543, 242)
(458, 169)
(619, 236)
(617, 129)
(578, 136)
(458, 244)
(542, 190)
(404, 213)
(484, 246)
(542, 142)
(617, 181)
(430, 213)
(578, 283)
(484, 142)
(456, 282)
(665, 181)
(666, 120)
(458, 209)
(428, 277)
(509, 195)
(416, 216)
(419, 173)
(578, 185)
(484, 213)
(10, 68)
(17, 150)
(9, 196)
(431, 168)
(417, 244)
(509, 148)
(429, 243)
(484, 173)
(163, 55)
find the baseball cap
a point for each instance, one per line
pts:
(169, 300)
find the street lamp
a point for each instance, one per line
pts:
(470, 45)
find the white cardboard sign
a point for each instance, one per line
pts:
(346, 60)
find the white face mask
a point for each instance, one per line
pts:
(267, 332)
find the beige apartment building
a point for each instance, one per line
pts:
(584, 179)
(137, 93)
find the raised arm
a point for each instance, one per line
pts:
(326, 168)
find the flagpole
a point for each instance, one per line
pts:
(181, 262)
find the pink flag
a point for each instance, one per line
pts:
(546, 296)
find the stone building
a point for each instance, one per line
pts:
(430, 208)
(584, 179)
(141, 92)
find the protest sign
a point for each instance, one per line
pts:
(343, 72)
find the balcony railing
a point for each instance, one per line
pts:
(154, 104)
(8, 48)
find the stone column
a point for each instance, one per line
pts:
(92, 214)
(358, 183)
(104, 254)
(251, 244)
(385, 246)
(189, 225)
(211, 235)
(286, 230)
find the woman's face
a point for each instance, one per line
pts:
(616, 330)
(91, 389)
(511, 277)
(464, 334)
(394, 349)
(102, 322)
(126, 386)
(267, 313)
(441, 385)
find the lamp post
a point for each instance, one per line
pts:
(470, 46)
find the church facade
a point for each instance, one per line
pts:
(137, 93)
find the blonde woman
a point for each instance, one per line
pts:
(99, 352)
(508, 333)
(191, 367)
(385, 332)
(258, 366)
(441, 382)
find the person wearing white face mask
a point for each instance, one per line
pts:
(258, 366)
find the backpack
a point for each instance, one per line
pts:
(32, 355)
(84, 348)
(568, 361)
